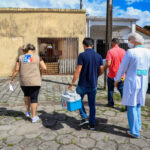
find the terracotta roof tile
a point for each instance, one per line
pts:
(142, 30)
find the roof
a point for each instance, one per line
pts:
(42, 10)
(142, 30)
(97, 18)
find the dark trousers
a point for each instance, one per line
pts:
(110, 83)
(91, 93)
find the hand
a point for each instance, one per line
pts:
(11, 81)
(70, 87)
(116, 84)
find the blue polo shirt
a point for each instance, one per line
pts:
(91, 62)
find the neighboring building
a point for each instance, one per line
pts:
(145, 33)
(56, 33)
(96, 29)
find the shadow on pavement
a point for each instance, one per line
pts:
(12, 113)
(52, 81)
(63, 83)
(56, 120)
(105, 105)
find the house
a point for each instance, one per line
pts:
(96, 29)
(145, 33)
(56, 33)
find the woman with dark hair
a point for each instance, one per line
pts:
(28, 66)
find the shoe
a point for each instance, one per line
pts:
(35, 119)
(92, 127)
(132, 135)
(28, 114)
(84, 122)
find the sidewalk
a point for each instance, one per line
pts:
(58, 129)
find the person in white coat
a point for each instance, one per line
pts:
(136, 65)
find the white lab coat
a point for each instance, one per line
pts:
(135, 85)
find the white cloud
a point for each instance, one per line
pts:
(94, 8)
(16, 3)
(97, 7)
(63, 3)
(142, 16)
(129, 2)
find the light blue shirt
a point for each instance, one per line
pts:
(136, 65)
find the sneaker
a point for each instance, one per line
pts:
(132, 135)
(92, 127)
(35, 119)
(28, 114)
(84, 122)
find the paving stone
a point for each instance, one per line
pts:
(14, 139)
(3, 134)
(128, 147)
(57, 107)
(27, 129)
(12, 148)
(25, 142)
(95, 149)
(30, 147)
(48, 136)
(107, 145)
(146, 148)
(86, 143)
(32, 135)
(5, 127)
(147, 134)
(119, 139)
(99, 136)
(110, 113)
(35, 142)
(49, 145)
(139, 142)
(69, 147)
(65, 139)
(80, 134)
(7, 121)
(60, 117)
(61, 126)
(2, 144)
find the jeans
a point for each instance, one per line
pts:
(91, 93)
(134, 119)
(110, 83)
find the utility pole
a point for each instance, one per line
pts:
(108, 32)
(81, 4)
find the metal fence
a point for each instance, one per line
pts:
(67, 66)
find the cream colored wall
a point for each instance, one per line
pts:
(26, 27)
(9, 50)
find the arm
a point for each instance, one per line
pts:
(123, 67)
(107, 65)
(101, 70)
(15, 71)
(76, 75)
(43, 66)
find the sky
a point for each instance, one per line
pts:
(139, 9)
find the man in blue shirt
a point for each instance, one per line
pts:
(89, 68)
